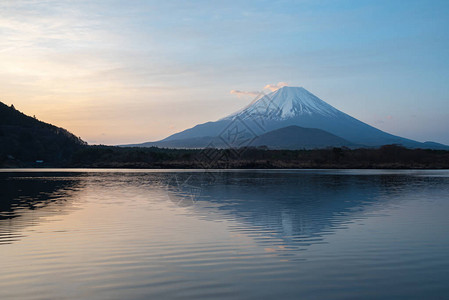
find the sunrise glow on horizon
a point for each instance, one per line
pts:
(117, 72)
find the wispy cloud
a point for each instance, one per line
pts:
(271, 87)
(244, 93)
(274, 87)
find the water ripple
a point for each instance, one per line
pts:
(327, 234)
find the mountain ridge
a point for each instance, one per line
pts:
(294, 137)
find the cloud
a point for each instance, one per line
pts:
(271, 87)
(244, 93)
(274, 87)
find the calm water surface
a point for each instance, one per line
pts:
(124, 234)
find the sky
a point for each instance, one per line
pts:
(117, 72)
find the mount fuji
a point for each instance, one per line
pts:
(286, 107)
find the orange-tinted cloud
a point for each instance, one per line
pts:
(274, 87)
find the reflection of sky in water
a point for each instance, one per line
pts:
(299, 209)
(251, 234)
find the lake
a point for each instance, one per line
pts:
(243, 234)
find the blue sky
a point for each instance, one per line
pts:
(132, 71)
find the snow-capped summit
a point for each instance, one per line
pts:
(286, 102)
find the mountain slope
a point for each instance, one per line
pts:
(187, 143)
(290, 137)
(295, 137)
(27, 139)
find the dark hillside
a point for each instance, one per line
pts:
(26, 139)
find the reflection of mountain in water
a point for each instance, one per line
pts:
(295, 209)
(27, 199)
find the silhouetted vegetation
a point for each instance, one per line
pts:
(25, 139)
(28, 142)
(390, 156)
